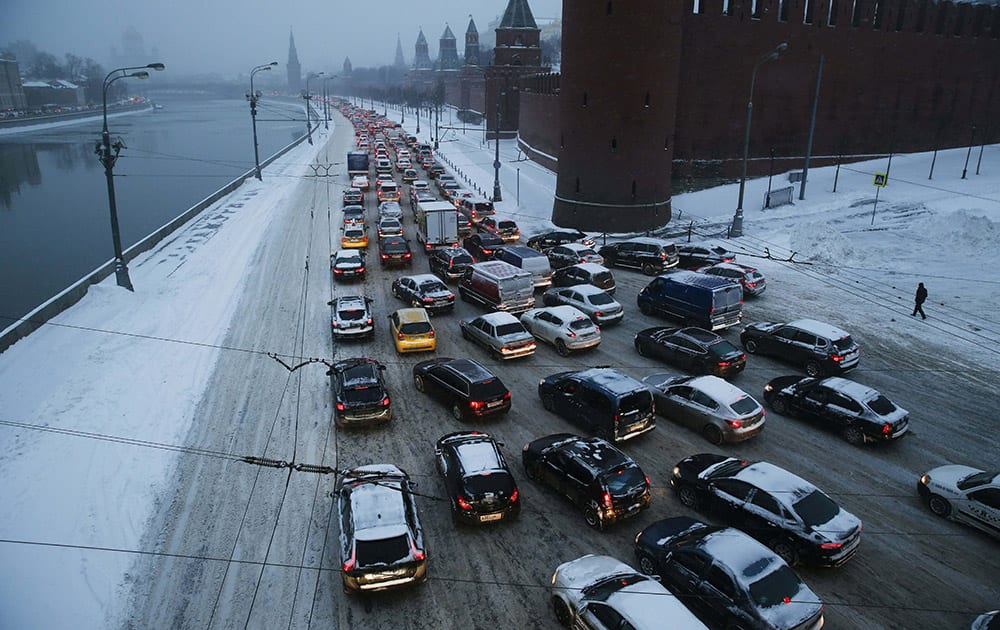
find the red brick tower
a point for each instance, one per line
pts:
(617, 104)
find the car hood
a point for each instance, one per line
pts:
(764, 326)
(949, 476)
(579, 573)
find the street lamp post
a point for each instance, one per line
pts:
(252, 96)
(108, 159)
(418, 118)
(326, 102)
(737, 227)
(496, 157)
(307, 96)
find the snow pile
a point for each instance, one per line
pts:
(963, 230)
(822, 242)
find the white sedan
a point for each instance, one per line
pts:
(964, 494)
(564, 327)
(598, 591)
(360, 182)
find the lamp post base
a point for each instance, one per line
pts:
(736, 229)
(121, 275)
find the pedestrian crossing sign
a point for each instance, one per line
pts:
(881, 179)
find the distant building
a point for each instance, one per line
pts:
(348, 68)
(422, 57)
(518, 53)
(40, 94)
(472, 44)
(400, 61)
(11, 92)
(448, 51)
(293, 67)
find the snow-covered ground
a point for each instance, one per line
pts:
(94, 405)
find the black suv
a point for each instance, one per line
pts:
(820, 348)
(858, 412)
(381, 541)
(594, 475)
(477, 478)
(424, 290)
(449, 263)
(693, 349)
(467, 387)
(651, 255)
(545, 240)
(584, 273)
(611, 404)
(394, 251)
(695, 255)
(359, 393)
(780, 509)
(727, 578)
(482, 246)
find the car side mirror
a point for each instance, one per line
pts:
(329, 372)
(330, 303)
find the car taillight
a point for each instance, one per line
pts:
(598, 313)
(487, 252)
(385, 256)
(647, 481)
(361, 269)
(506, 396)
(417, 554)
(886, 429)
(571, 334)
(370, 321)
(462, 503)
(385, 401)
(751, 284)
(734, 423)
(351, 561)
(336, 271)
(663, 256)
(723, 364)
(514, 496)
(607, 499)
(431, 333)
(428, 300)
(341, 406)
(831, 545)
(837, 358)
(400, 336)
(476, 404)
(407, 255)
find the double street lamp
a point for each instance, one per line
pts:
(252, 96)
(326, 103)
(308, 96)
(737, 227)
(108, 159)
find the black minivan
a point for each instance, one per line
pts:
(611, 404)
(697, 299)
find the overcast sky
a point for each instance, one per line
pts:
(232, 36)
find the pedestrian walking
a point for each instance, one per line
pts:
(918, 301)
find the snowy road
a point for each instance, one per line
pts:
(260, 544)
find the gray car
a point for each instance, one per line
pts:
(563, 326)
(501, 333)
(717, 409)
(596, 303)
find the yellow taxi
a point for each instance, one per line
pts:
(412, 331)
(355, 237)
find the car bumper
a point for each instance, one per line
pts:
(582, 344)
(619, 513)
(364, 417)
(353, 332)
(381, 580)
(607, 320)
(423, 345)
(478, 517)
(734, 436)
(730, 370)
(520, 351)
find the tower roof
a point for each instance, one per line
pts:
(472, 26)
(518, 15)
(447, 33)
(421, 39)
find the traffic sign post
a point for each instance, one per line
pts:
(881, 179)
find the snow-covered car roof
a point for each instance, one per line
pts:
(649, 239)
(732, 266)
(719, 389)
(591, 267)
(347, 255)
(564, 312)
(587, 289)
(611, 379)
(577, 247)
(784, 486)
(849, 388)
(497, 318)
(820, 329)
(421, 278)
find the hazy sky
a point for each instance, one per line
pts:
(232, 36)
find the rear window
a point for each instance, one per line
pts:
(774, 588)
(816, 508)
(364, 394)
(843, 344)
(351, 315)
(415, 328)
(723, 348)
(728, 297)
(388, 551)
(603, 278)
(507, 225)
(640, 401)
(580, 324)
(495, 482)
(600, 299)
(512, 328)
(488, 389)
(462, 259)
(881, 405)
(623, 479)
(745, 405)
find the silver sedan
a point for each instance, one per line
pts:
(564, 327)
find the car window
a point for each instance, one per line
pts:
(734, 488)
(987, 496)
(818, 395)
(415, 328)
(785, 333)
(766, 502)
(704, 399)
(744, 406)
(775, 588)
(807, 338)
(845, 403)
(692, 561)
(880, 405)
(488, 389)
(579, 324)
(577, 471)
(723, 348)
(624, 477)
(608, 616)
(509, 329)
(599, 299)
(721, 581)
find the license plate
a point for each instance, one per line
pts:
(495, 403)
(485, 518)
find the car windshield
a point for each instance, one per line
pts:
(881, 405)
(774, 588)
(415, 328)
(581, 324)
(623, 479)
(600, 299)
(512, 328)
(727, 468)
(380, 552)
(488, 389)
(816, 508)
(976, 479)
(745, 406)
(351, 314)
(723, 348)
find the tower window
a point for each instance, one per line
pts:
(647, 100)
(633, 190)
(562, 142)
(577, 184)
(666, 144)
(614, 144)
(609, 8)
(584, 99)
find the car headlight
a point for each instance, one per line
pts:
(925, 479)
(677, 471)
(768, 388)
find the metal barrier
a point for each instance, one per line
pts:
(778, 197)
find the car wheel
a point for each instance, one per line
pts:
(418, 382)
(939, 505)
(785, 549)
(640, 348)
(531, 472)
(561, 609)
(646, 308)
(854, 435)
(713, 434)
(591, 516)
(750, 345)
(649, 269)
(561, 348)
(456, 411)
(779, 405)
(646, 565)
(688, 496)
(814, 369)
(548, 403)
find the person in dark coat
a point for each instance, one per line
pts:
(918, 301)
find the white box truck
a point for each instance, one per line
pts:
(437, 225)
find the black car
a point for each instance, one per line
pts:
(471, 390)
(381, 540)
(693, 349)
(348, 264)
(605, 401)
(693, 255)
(359, 392)
(394, 251)
(594, 475)
(858, 412)
(482, 246)
(553, 238)
(650, 255)
(585, 273)
(820, 348)
(449, 263)
(424, 290)
(353, 196)
(477, 479)
(783, 511)
(726, 578)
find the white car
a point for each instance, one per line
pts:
(389, 226)
(352, 317)
(360, 182)
(964, 494)
(390, 209)
(564, 327)
(596, 303)
(602, 592)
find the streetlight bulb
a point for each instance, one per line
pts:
(156, 66)
(273, 63)
(140, 75)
